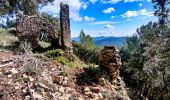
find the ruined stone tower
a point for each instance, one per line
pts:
(110, 61)
(65, 28)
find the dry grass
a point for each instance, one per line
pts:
(6, 39)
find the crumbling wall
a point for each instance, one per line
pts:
(110, 61)
(31, 28)
(65, 28)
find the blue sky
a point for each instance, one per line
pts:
(105, 17)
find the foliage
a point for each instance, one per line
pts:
(86, 54)
(131, 44)
(86, 50)
(146, 65)
(86, 40)
(54, 20)
(29, 7)
(161, 10)
(62, 60)
(32, 69)
(54, 53)
(6, 39)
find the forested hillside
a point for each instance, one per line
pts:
(106, 41)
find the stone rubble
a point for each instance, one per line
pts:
(51, 85)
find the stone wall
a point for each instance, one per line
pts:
(65, 28)
(110, 61)
(31, 28)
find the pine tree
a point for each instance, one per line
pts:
(28, 7)
(161, 10)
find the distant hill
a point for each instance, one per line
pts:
(106, 41)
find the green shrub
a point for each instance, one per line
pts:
(54, 53)
(64, 73)
(62, 60)
(32, 70)
(88, 55)
(92, 69)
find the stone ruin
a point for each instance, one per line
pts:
(31, 28)
(65, 28)
(110, 61)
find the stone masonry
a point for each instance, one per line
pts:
(65, 28)
(110, 61)
(31, 28)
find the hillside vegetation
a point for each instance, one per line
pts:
(46, 73)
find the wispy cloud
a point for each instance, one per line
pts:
(75, 6)
(108, 26)
(87, 18)
(142, 12)
(102, 23)
(110, 1)
(132, 0)
(109, 10)
(85, 5)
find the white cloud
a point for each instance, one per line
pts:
(108, 26)
(140, 4)
(149, 0)
(86, 18)
(142, 12)
(75, 6)
(110, 1)
(102, 23)
(145, 12)
(130, 14)
(75, 16)
(84, 5)
(132, 0)
(109, 10)
(105, 32)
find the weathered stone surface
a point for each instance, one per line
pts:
(65, 81)
(31, 28)
(87, 89)
(95, 89)
(57, 79)
(65, 28)
(102, 81)
(110, 61)
(61, 89)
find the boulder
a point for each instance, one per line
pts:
(57, 79)
(95, 89)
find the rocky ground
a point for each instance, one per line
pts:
(34, 77)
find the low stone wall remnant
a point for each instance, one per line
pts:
(110, 61)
